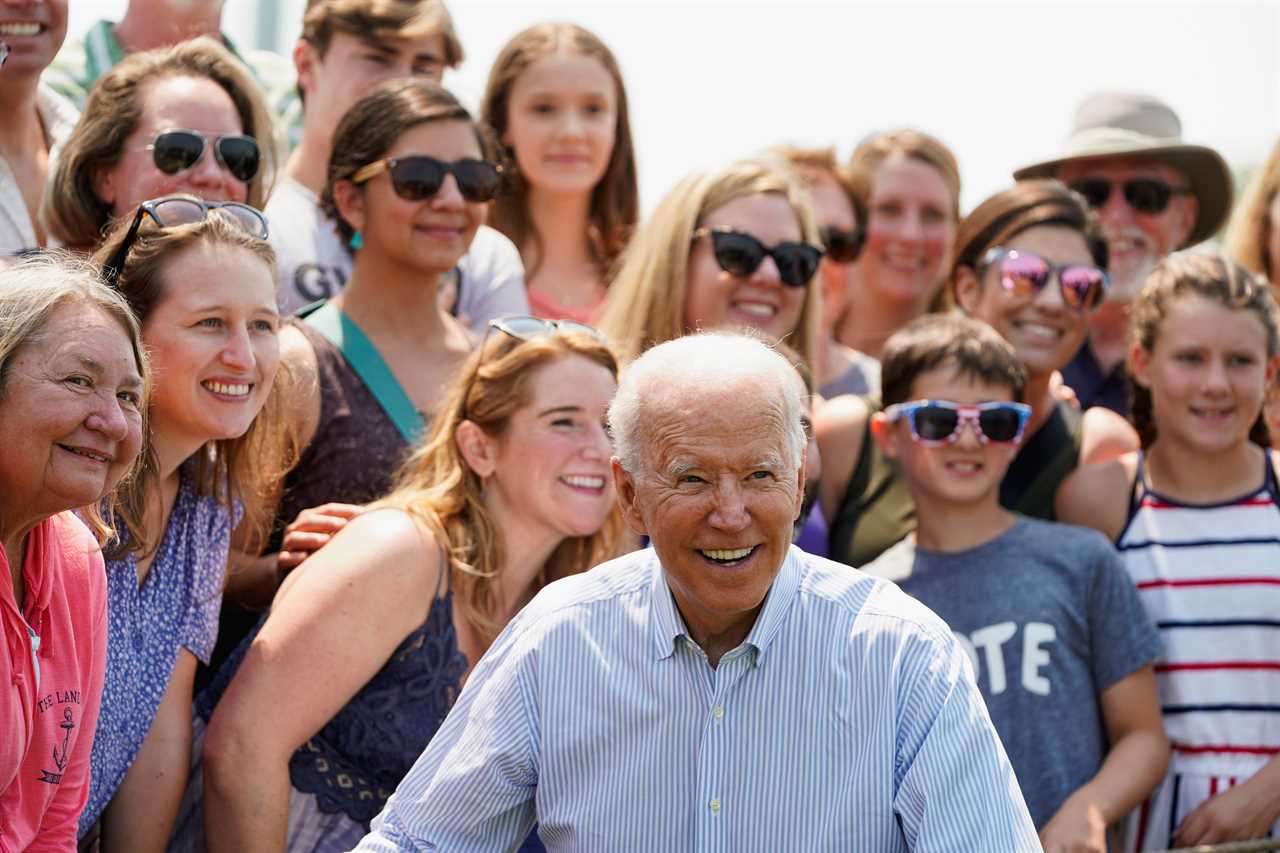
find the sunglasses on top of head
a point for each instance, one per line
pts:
(175, 151)
(419, 177)
(181, 210)
(741, 254)
(1144, 195)
(937, 422)
(842, 246)
(1025, 274)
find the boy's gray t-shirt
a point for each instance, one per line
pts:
(1050, 619)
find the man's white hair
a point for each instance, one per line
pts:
(700, 364)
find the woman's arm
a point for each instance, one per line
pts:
(1135, 763)
(333, 625)
(142, 812)
(1097, 496)
(839, 425)
(1104, 436)
(1245, 811)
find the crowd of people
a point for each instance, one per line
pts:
(373, 477)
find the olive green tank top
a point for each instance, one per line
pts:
(876, 511)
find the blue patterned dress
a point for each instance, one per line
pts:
(175, 607)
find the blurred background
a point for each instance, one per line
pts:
(709, 80)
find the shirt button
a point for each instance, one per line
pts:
(719, 712)
(715, 806)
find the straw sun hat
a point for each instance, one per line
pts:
(1121, 124)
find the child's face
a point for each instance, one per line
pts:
(965, 471)
(1208, 373)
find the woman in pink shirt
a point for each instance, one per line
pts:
(72, 387)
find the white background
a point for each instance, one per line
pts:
(710, 80)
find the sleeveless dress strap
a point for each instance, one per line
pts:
(1139, 488)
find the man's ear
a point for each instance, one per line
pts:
(885, 436)
(349, 200)
(968, 289)
(624, 485)
(305, 59)
(478, 449)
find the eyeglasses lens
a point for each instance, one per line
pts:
(935, 423)
(1024, 275)
(1081, 286)
(240, 156)
(737, 254)
(842, 246)
(176, 151)
(1147, 196)
(999, 424)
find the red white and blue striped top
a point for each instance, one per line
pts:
(1209, 576)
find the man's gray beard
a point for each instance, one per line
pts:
(1127, 290)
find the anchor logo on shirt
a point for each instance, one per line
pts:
(60, 754)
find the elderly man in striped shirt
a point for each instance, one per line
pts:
(722, 690)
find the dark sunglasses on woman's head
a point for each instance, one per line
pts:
(1144, 195)
(419, 177)
(937, 422)
(843, 246)
(1026, 274)
(175, 151)
(180, 210)
(741, 254)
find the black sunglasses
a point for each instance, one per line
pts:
(843, 246)
(1025, 274)
(419, 177)
(176, 151)
(741, 254)
(180, 210)
(1145, 195)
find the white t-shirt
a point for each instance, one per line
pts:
(313, 263)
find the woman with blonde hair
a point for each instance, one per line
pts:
(909, 185)
(556, 100)
(1253, 238)
(730, 248)
(201, 279)
(509, 491)
(185, 119)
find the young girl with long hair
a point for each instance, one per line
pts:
(556, 100)
(1195, 516)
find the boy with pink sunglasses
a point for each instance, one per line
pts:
(1059, 641)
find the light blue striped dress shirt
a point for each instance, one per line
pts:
(848, 720)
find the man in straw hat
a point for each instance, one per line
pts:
(1153, 194)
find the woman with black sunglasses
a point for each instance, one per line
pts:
(407, 185)
(1030, 262)
(186, 119)
(201, 279)
(368, 642)
(730, 248)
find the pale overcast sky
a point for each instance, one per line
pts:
(710, 80)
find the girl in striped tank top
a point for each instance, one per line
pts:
(1196, 518)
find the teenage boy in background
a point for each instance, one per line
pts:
(1061, 644)
(346, 48)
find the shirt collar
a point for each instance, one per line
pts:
(668, 626)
